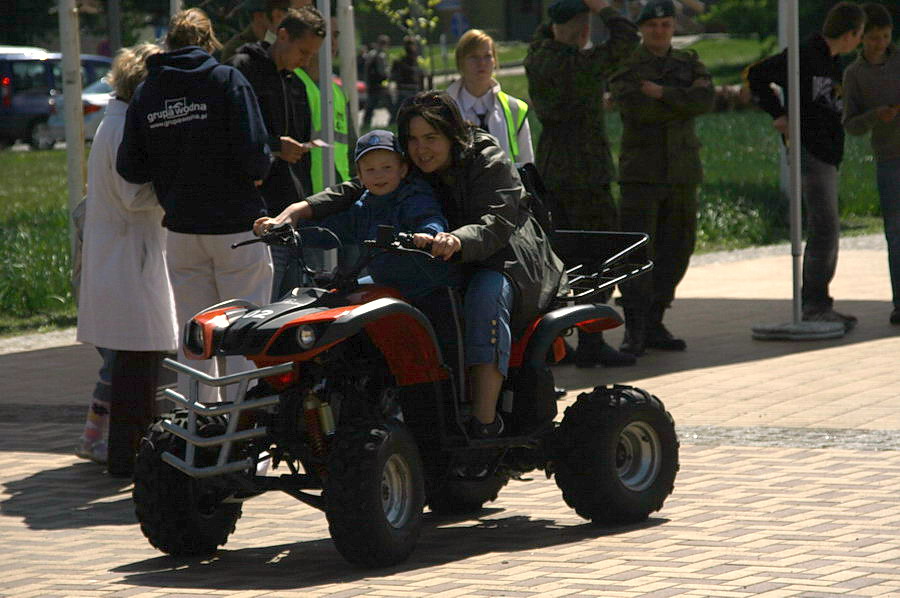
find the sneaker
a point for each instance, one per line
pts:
(480, 431)
(95, 451)
(829, 315)
(895, 316)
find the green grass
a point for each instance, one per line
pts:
(508, 53)
(511, 52)
(34, 242)
(726, 58)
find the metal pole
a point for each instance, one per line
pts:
(327, 97)
(114, 17)
(175, 6)
(347, 44)
(74, 117)
(783, 38)
(794, 148)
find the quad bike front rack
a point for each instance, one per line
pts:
(225, 441)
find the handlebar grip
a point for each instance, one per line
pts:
(406, 241)
(247, 242)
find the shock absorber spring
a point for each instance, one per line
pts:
(314, 429)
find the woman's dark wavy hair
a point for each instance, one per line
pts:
(440, 111)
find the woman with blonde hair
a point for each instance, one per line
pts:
(483, 103)
(126, 308)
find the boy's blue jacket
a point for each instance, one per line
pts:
(195, 130)
(411, 208)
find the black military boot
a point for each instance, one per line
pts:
(635, 332)
(592, 350)
(658, 337)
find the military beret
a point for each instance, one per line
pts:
(254, 5)
(563, 11)
(656, 9)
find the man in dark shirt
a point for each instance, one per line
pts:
(822, 144)
(407, 74)
(269, 69)
(376, 78)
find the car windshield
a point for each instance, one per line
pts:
(100, 86)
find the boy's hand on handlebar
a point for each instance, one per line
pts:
(422, 240)
(444, 245)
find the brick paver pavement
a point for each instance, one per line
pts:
(749, 517)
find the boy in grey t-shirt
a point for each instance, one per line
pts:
(872, 103)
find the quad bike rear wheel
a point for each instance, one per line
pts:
(178, 514)
(615, 455)
(374, 491)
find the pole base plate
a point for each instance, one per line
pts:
(798, 331)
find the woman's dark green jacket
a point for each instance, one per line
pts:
(486, 206)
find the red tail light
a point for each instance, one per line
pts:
(282, 381)
(89, 108)
(5, 91)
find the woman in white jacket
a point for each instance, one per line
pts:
(125, 298)
(483, 103)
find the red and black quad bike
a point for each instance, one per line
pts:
(356, 397)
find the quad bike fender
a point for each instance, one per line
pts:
(401, 332)
(591, 317)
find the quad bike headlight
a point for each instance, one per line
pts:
(193, 337)
(306, 336)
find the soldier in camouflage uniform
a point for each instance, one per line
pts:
(566, 85)
(659, 92)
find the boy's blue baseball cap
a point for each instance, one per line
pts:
(373, 140)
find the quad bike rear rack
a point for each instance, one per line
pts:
(594, 260)
(195, 408)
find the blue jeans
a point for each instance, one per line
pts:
(286, 272)
(888, 178)
(487, 307)
(820, 194)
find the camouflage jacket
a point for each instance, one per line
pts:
(659, 143)
(566, 87)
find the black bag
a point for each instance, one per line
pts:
(539, 202)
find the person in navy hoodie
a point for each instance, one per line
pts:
(194, 130)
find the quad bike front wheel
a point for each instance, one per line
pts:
(615, 455)
(178, 514)
(374, 491)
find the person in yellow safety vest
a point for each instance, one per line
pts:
(483, 103)
(306, 87)
(344, 127)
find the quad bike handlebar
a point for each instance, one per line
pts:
(387, 239)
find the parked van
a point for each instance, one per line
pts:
(30, 82)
